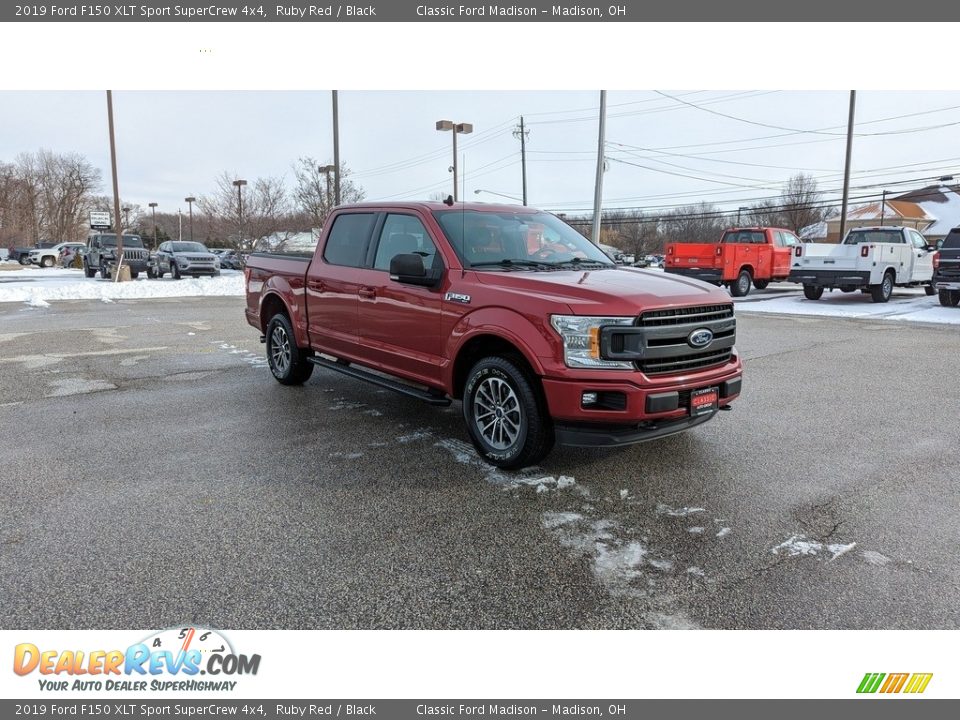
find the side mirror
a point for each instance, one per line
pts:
(408, 268)
(932, 248)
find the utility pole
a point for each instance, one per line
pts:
(846, 167)
(116, 184)
(336, 149)
(598, 189)
(521, 133)
(883, 208)
(239, 185)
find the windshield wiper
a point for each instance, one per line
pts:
(581, 263)
(508, 263)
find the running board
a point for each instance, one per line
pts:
(431, 398)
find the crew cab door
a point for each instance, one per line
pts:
(922, 258)
(333, 281)
(400, 323)
(783, 247)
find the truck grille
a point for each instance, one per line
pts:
(199, 258)
(685, 363)
(659, 343)
(684, 316)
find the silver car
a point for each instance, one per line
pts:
(181, 258)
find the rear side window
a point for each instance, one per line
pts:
(744, 236)
(348, 238)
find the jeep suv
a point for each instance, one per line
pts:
(102, 253)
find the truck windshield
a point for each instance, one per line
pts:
(130, 241)
(517, 240)
(855, 237)
(743, 236)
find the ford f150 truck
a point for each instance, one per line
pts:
(871, 259)
(743, 257)
(946, 269)
(506, 309)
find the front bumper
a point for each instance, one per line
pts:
(710, 275)
(830, 278)
(198, 268)
(631, 413)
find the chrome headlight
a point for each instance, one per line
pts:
(581, 341)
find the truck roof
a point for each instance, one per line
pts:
(434, 205)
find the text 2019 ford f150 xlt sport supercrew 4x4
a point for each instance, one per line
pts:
(507, 309)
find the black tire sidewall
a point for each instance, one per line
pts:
(506, 371)
(282, 321)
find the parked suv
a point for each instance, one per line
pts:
(102, 252)
(48, 257)
(181, 258)
(511, 311)
(946, 269)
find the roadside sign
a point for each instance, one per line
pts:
(99, 220)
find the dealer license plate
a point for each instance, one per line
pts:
(704, 401)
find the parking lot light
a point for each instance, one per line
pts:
(190, 201)
(153, 208)
(457, 129)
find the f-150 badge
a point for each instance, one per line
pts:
(457, 297)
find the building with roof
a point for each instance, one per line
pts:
(933, 210)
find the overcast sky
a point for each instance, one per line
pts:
(173, 144)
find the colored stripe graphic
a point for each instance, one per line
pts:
(870, 682)
(918, 683)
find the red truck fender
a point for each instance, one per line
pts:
(278, 294)
(487, 326)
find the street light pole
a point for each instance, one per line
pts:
(239, 184)
(336, 149)
(598, 189)
(883, 208)
(126, 218)
(458, 129)
(153, 207)
(116, 184)
(190, 201)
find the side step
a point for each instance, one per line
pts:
(431, 398)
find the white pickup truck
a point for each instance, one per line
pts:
(870, 259)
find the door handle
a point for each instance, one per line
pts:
(315, 285)
(367, 292)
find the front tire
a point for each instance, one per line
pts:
(741, 286)
(930, 289)
(88, 271)
(289, 364)
(505, 417)
(174, 271)
(881, 293)
(104, 273)
(812, 292)
(46, 262)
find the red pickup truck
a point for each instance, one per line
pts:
(507, 309)
(743, 257)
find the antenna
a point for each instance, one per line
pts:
(463, 213)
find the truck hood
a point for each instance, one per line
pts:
(620, 291)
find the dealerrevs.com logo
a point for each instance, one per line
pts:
(909, 683)
(179, 659)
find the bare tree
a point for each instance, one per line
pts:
(802, 203)
(265, 209)
(314, 196)
(695, 223)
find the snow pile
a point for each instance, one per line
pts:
(905, 306)
(40, 287)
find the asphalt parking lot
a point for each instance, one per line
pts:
(153, 473)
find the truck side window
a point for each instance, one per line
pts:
(347, 242)
(403, 234)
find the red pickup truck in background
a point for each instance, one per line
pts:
(742, 257)
(506, 308)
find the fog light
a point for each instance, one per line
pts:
(588, 398)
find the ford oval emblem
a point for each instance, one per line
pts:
(700, 338)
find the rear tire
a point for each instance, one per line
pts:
(741, 286)
(289, 364)
(881, 293)
(761, 284)
(930, 289)
(812, 292)
(505, 416)
(949, 298)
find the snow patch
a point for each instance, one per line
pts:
(875, 558)
(799, 545)
(38, 290)
(678, 512)
(696, 530)
(723, 532)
